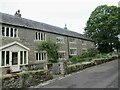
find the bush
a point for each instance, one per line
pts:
(74, 59)
(77, 67)
(90, 53)
(51, 48)
(84, 56)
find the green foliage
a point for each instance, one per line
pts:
(102, 27)
(101, 58)
(85, 56)
(74, 59)
(51, 48)
(90, 53)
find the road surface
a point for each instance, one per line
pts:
(101, 76)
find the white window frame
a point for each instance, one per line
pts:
(40, 56)
(23, 61)
(10, 58)
(39, 34)
(10, 53)
(9, 33)
(74, 53)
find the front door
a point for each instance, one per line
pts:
(14, 58)
(15, 67)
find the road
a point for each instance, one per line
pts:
(101, 76)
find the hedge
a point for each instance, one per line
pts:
(79, 66)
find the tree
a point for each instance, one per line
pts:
(102, 27)
(51, 48)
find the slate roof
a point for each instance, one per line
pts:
(22, 22)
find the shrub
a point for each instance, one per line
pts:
(51, 48)
(90, 53)
(74, 59)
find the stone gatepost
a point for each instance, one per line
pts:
(62, 67)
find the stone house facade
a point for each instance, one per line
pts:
(19, 38)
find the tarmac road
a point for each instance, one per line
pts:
(101, 76)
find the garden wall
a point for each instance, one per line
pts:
(25, 79)
(79, 66)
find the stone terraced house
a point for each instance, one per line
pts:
(19, 38)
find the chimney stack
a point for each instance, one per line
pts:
(17, 13)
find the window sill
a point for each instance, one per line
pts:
(72, 42)
(62, 58)
(10, 37)
(41, 61)
(83, 44)
(39, 40)
(73, 54)
(60, 43)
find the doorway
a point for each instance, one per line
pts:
(14, 58)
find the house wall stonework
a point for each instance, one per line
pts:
(27, 36)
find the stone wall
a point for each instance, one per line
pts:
(25, 79)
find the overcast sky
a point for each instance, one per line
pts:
(74, 13)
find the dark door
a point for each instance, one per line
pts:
(14, 58)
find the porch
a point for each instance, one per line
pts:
(13, 56)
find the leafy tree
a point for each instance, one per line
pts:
(102, 27)
(51, 48)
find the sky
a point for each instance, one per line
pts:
(74, 13)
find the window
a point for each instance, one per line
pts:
(23, 58)
(83, 42)
(72, 40)
(84, 50)
(36, 35)
(9, 32)
(60, 39)
(15, 33)
(40, 36)
(41, 56)
(61, 55)
(73, 51)
(3, 31)
(36, 56)
(5, 58)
